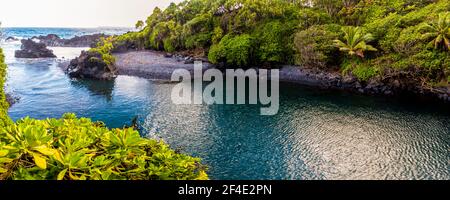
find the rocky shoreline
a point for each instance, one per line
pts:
(32, 49)
(91, 65)
(159, 65)
(381, 87)
(53, 40)
(12, 98)
(153, 64)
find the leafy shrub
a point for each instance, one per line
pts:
(200, 40)
(409, 41)
(131, 40)
(387, 42)
(199, 24)
(168, 45)
(380, 27)
(368, 11)
(234, 50)
(79, 149)
(105, 47)
(314, 46)
(425, 14)
(309, 17)
(217, 53)
(431, 60)
(217, 35)
(273, 40)
(364, 72)
(157, 35)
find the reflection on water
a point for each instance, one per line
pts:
(102, 88)
(316, 135)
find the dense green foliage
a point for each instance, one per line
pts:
(232, 50)
(4, 119)
(104, 48)
(79, 149)
(409, 37)
(314, 47)
(375, 37)
(239, 33)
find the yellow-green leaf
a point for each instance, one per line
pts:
(73, 177)
(3, 153)
(202, 176)
(62, 174)
(40, 161)
(9, 147)
(58, 157)
(5, 160)
(3, 170)
(45, 150)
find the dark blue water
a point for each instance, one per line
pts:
(316, 135)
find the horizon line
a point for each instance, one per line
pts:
(67, 27)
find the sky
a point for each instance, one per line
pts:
(77, 13)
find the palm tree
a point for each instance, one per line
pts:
(355, 41)
(438, 31)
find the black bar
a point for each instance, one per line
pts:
(253, 189)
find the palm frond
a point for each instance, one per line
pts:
(355, 41)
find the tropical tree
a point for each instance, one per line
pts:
(438, 31)
(355, 42)
(139, 24)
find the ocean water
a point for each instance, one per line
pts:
(25, 32)
(316, 135)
